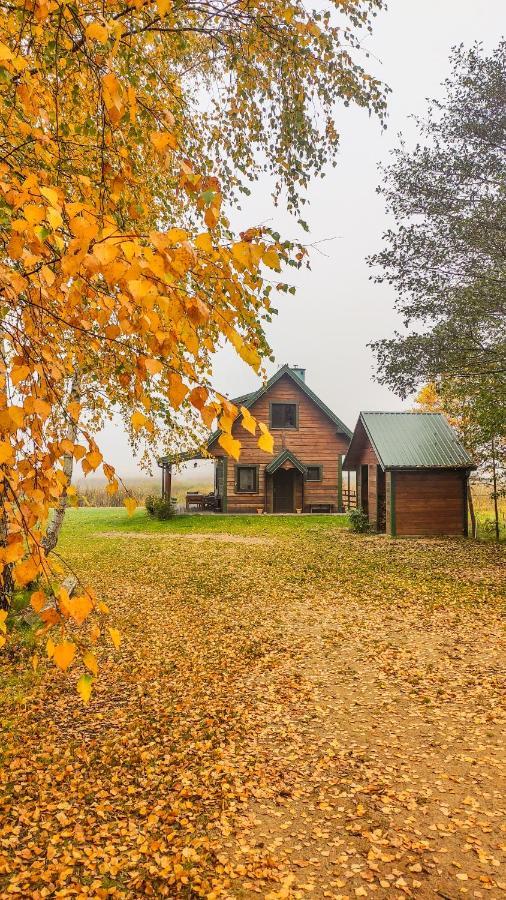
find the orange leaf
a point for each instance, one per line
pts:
(64, 654)
(115, 637)
(131, 505)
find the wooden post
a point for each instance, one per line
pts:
(340, 507)
(166, 481)
(349, 488)
(471, 508)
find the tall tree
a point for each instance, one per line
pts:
(446, 255)
(125, 128)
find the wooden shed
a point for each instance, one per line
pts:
(412, 473)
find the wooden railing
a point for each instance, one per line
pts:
(349, 499)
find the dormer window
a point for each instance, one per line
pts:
(284, 415)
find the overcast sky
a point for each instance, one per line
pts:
(337, 310)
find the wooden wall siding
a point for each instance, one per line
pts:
(314, 442)
(388, 492)
(430, 502)
(363, 453)
(373, 494)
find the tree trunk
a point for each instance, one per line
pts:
(6, 582)
(50, 539)
(494, 485)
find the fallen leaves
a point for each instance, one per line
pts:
(330, 725)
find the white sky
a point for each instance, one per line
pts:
(337, 309)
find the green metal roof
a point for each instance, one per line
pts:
(248, 400)
(282, 458)
(407, 440)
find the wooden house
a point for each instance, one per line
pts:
(310, 441)
(412, 473)
(305, 471)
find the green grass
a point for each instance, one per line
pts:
(96, 520)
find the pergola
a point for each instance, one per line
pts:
(167, 462)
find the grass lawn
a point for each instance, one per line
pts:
(294, 711)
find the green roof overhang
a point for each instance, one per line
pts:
(283, 457)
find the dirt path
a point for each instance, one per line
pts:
(391, 778)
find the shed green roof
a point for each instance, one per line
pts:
(411, 440)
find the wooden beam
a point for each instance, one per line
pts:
(340, 483)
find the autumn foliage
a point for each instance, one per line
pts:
(126, 128)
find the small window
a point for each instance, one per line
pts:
(314, 473)
(284, 415)
(246, 481)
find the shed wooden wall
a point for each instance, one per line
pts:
(365, 456)
(430, 502)
(314, 442)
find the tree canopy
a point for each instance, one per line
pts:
(126, 128)
(446, 255)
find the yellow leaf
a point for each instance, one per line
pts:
(50, 648)
(80, 608)
(115, 637)
(105, 252)
(64, 654)
(38, 600)
(163, 139)
(266, 440)
(203, 242)
(5, 53)
(3, 620)
(177, 390)
(25, 572)
(34, 214)
(271, 259)
(51, 195)
(35, 662)
(97, 32)
(230, 445)
(163, 7)
(248, 422)
(84, 686)
(138, 420)
(74, 409)
(131, 505)
(242, 253)
(19, 373)
(6, 452)
(14, 551)
(94, 458)
(153, 366)
(176, 236)
(90, 661)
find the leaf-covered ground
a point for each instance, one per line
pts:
(295, 711)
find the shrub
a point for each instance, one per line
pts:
(359, 522)
(160, 508)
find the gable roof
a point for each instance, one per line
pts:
(411, 440)
(248, 400)
(284, 456)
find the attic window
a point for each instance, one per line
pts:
(284, 415)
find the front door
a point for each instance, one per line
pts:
(283, 491)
